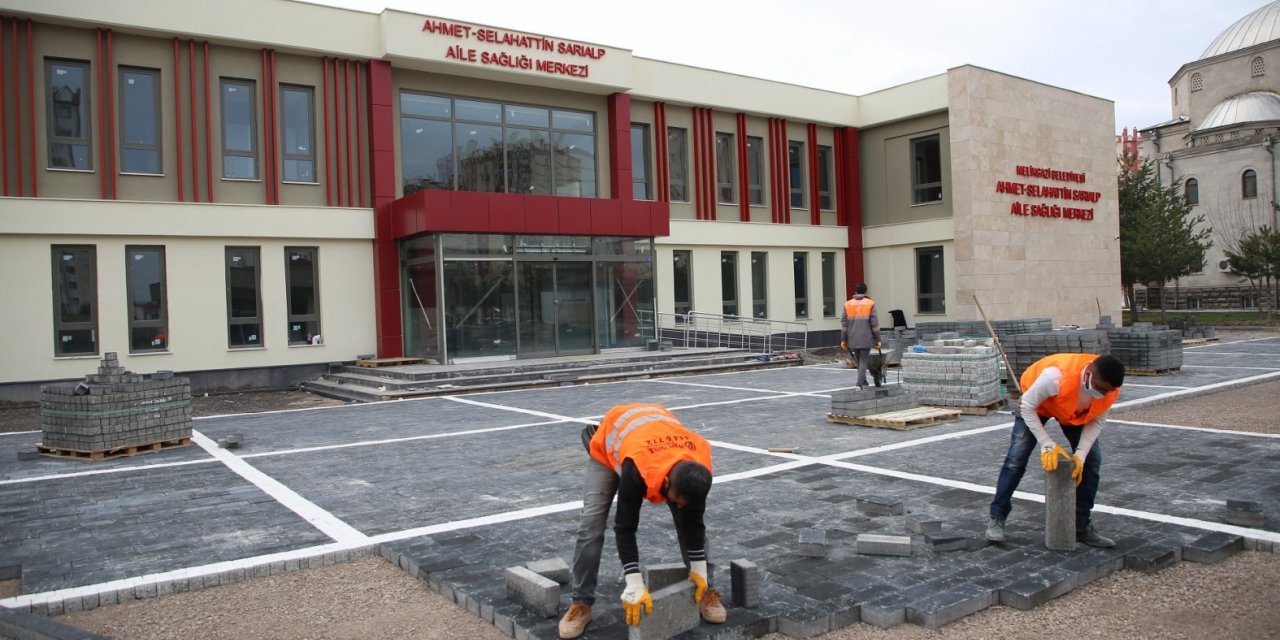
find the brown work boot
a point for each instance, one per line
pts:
(710, 607)
(575, 620)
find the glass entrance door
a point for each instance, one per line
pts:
(555, 308)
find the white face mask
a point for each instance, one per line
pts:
(1088, 386)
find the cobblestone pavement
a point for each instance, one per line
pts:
(456, 489)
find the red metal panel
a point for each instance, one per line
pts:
(574, 216)
(661, 162)
(328, 164)
(102, 148)
(541, 215)
(695, 185)
(838, 195)
(191, 84)
(620, 170)
(382, 170)
(659, 219)
(208, 132)
(383, 181)
(712, 190)
(744, 188)
(360, 150)
(470, 212)
(815, 203)
(17, 108)
(337, 135)
(506, 213)
(636, 218)
(390, 339)
(772, 156)
(785, 150)
(31, 110)
(110, 133)
(177, 118)
(852, 183)
(4, 119)
(346, 128)
(606, 217)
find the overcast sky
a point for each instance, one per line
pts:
(1121, 50)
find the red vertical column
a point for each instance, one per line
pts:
(619, 105)
(328, 160)
(850, 194)
(208, 132)
(710, 174)
(382, 171)
(663, 153)
(815, 203)
(744, 179)
(177, 120)
(4, 120)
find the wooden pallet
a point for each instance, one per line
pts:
(1151, 372)
(984, 410)
(389, 362)
(107, 454)
(904, 420)
(1191, 342)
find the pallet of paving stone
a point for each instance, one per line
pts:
(1151, 372)
(984, 410)
(904, 420)
(107, 454)
(389, 362)
(1190, 342)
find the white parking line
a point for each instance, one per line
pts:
(748, 389)
(1205, 429)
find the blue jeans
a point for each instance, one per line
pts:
(1021, 445)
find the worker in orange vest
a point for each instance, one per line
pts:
(641, 452)
(860, 329)
(1078, 390)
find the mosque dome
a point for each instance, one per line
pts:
(1262, 25)
(1258, 106)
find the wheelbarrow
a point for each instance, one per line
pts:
(875, 365)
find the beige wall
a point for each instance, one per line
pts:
(1026, 266)
(886, 171)
(1223, 77)
(889, 262)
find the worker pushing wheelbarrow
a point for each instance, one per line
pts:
(859, 333)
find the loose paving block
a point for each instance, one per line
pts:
(947, 541)
(923, 523)
(813, 543)
(1152, 558)
(661, 576)
(1213, 548)
(532, 591)
(1244, 505)
(674, 611)
(1060, 508)
(552, 569)
(1037, 588)
(949, 605)
(804, 623)
(744, 579)
(880, 506)
(879, 545)
(1244, 518)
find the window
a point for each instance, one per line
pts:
(729, 282)
(1249, 301)
(244, 298)
(825, 180)
(302, 272)
(1257, 68)
(640, 188)
(759, 284)
(929, 286)
(795, 162)
(725, 153)
(1192, 191)
(682, 271)
(75, 300)
(926, 170)
(1249, 184)
(148, 300)
(678, 163)
(1197, 82)
(69, 119)
(755, 170)
(140, 121)
(828, 284)
(239, 130)
(800, 273)
(297, 120)
(492, 147)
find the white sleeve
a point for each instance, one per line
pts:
(1046, 386)
(1089, 435)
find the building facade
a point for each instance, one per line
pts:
(248, 200)
(1218, 148)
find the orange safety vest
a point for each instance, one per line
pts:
(653, 438)
(858, 307)
(1063, 406)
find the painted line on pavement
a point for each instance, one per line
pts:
(1204, 429)
(370, 443)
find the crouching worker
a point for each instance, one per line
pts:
(641, 452)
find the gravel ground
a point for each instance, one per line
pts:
(372, 598)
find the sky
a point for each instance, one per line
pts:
(1122, 50)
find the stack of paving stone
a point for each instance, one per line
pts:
(1025, 349)
(1189, 329)
(115, 409)
(871, 401)
(978, 328)
(894, 342)
(954, 372)
(1145, 347)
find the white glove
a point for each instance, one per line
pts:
(635, 598)
(698, 575)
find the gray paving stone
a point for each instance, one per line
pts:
(946, 606)
(880, 506)
(813, 543)
(661, 576)
(1244, 505)
(804, 623)
(923, 523)
(882, 545)
(1060, 508)
(674, 612)
(1037, 588)
(552, 568)
(947, 541)
(744, 579)
(30, 626)
(536, 593)
(1153, 557)
(1244, 518)
(1212, 548)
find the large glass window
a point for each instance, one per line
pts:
(795, 164)
(678, 163)
(1192, 191)
(480, 316)
(298, 118)
(140, 121)
(640, 188)
(682, 286)
(244, 297)
(759, 284)
(624, 303)
(926, 170)
(239, 130)
(800, 275)
(302, 283)
(828, 284)
(1249, 184)
(825, 167)
(148, 300)
(420, 297)
(68, 114)
(75, 300)
(725, 172)
(930, 289)
(755, 169)
(476, 145)
(729, 282)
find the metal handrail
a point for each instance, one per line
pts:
(698, 329)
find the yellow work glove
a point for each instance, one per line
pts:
(1077, 473)
(1049, 456)
(877, 345)
(698, 575)
(635, 599)
(844, 345)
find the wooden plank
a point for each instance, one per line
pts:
(1190, 342)
(904, 420)
(1151, 372)
(984, 410)
(388, 362)
(108, 454)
